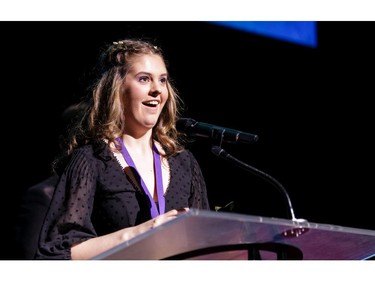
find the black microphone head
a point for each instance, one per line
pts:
(199, 129)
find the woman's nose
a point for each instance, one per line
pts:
(156, 88)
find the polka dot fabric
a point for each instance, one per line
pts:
(94, 197)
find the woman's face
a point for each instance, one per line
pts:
(146, 91)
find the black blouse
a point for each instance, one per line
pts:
(94, 197)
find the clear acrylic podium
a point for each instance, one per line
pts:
(211, 235)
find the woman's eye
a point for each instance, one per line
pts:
(144, 78)
(163, 80)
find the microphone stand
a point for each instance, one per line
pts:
(218, 151)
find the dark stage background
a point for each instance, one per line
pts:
(311, 108)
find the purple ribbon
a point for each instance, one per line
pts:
(159, 179)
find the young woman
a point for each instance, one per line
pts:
(125, 171)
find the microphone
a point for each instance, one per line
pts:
(219, 152)
(200, 129)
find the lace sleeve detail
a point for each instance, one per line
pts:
(68, 220)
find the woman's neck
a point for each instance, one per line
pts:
(141, 145)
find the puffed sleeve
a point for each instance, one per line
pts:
(198, 199)
(68, 219)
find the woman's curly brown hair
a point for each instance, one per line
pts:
(104, 118)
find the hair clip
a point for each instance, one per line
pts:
(120, 45)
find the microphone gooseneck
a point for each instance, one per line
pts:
(218, 151)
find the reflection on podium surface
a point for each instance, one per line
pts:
(209, 235)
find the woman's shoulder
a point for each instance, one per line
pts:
(92, 150)
(186, 155)
(84, 150)
(89, 157)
